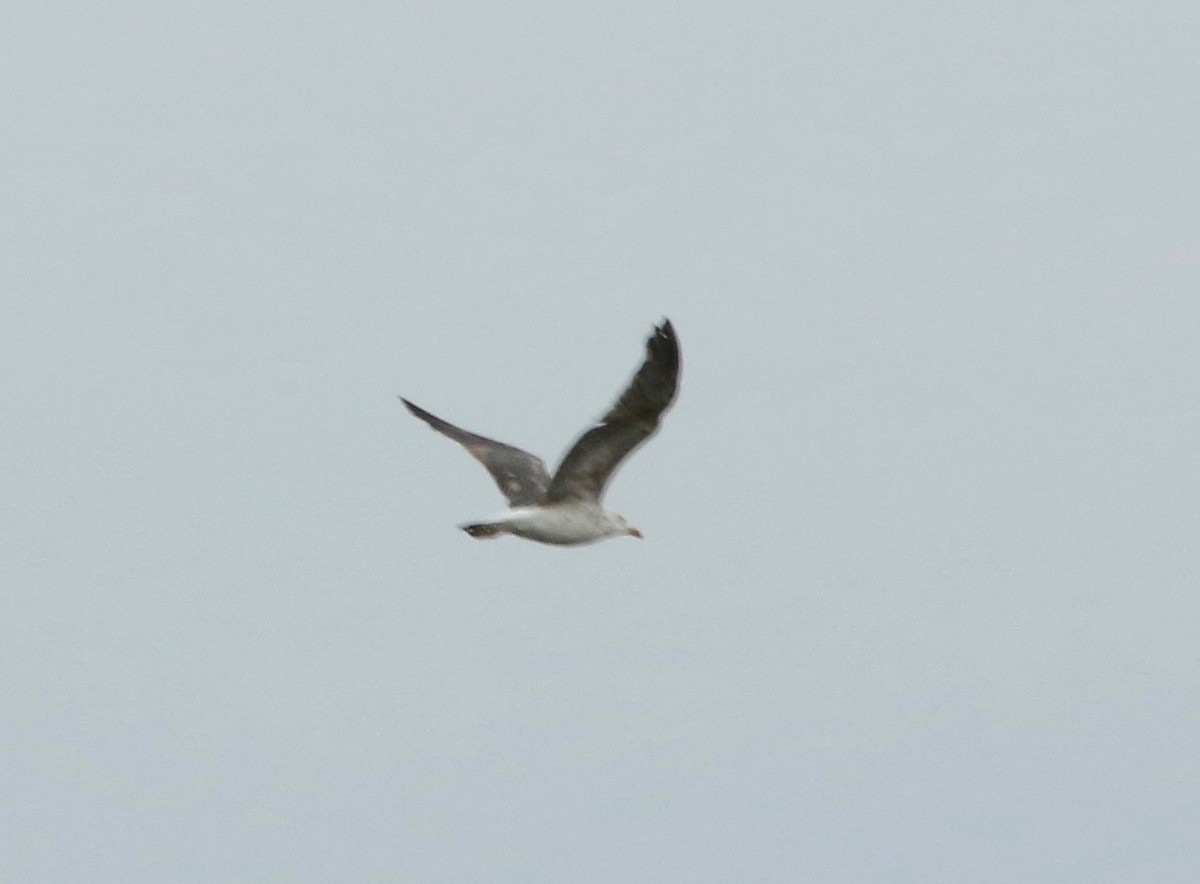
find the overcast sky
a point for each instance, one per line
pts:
(918, 596)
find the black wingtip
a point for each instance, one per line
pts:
(419, 412)
(666, 331)
(663, 346)
(413, 409)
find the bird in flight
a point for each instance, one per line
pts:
(565, 509)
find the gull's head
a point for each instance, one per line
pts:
(618, 525)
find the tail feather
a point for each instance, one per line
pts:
(483, 530)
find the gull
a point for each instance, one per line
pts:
(565, 509)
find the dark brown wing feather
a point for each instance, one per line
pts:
(631, 421)
(521, 476)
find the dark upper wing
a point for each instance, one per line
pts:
(630, 422)
(521, 476)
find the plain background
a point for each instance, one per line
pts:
(918, 596)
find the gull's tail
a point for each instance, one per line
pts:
(484, 530)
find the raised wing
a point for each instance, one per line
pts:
(521, 476)
(594, 458)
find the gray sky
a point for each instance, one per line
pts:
(918, 596)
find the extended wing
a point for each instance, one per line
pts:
(594, 458)
(521, 476)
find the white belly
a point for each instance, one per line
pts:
(564, 524)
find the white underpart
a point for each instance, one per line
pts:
(566, 524)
